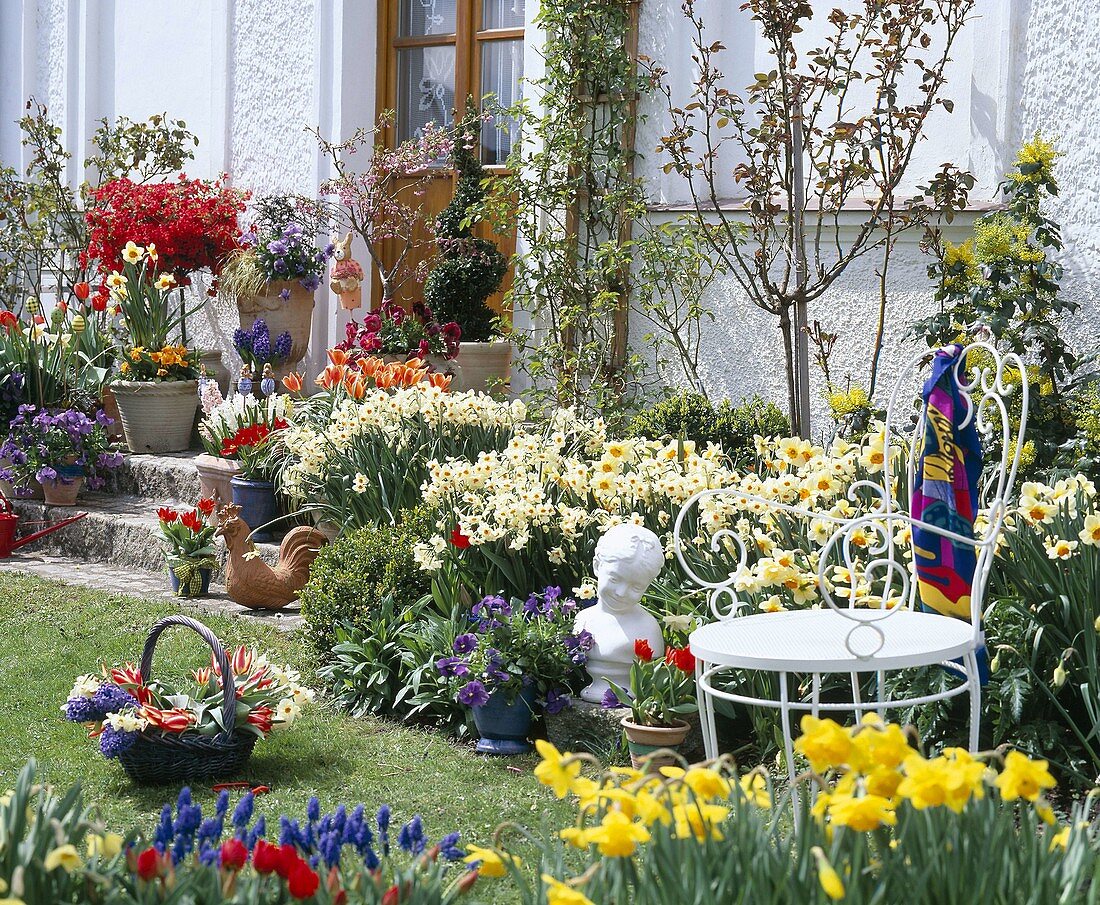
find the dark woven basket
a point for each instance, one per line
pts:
(166, 758)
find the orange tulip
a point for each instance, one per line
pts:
(338, 357)
(293, 381)
(371, 365)
(355, 386)
(332, 376)
(440, 381)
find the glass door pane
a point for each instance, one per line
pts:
(501, 14)
(427, 17)
(425, 88)
(501, 71)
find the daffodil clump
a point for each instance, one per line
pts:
(887, 825)
(538, 506)
(362, 461)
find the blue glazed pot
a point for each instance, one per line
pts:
(257, 502)
(204, 590)
(504, 726)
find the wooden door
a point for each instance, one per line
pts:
(433, 54)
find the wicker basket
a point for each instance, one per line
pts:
(170, 759)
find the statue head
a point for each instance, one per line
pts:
(628, 558)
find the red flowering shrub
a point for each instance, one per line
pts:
(192, 223)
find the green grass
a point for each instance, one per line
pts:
(52, 632)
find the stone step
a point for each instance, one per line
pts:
(169, 476)
(140, 583)
(120, 530)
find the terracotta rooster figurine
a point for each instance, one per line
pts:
(253, 583)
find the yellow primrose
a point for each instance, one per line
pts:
(64, 856)
(558, 893)
(1023, 777)
(617, 836)
(823, 742)
(489, 861)
(555, 770)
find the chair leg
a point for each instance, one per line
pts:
(706, 714)
(788, 747)
(880, 693)
(973, 681)
(815, 701)
(857, 700)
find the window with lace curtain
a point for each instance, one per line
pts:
(441, 51)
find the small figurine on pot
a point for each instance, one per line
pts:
(347, 275)
(628, 558)
(189, 548)
(244, 381)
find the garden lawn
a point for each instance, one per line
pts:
(53, 632)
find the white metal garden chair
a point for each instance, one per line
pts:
(839, 638)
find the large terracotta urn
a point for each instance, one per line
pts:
(486, 367)
(157, 416)
(293, 315)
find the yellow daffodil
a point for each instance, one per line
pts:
(1090, 533)
(618, 836)
(116, 280)
(1060, 839)
(64, 856)
(489, 861)
(824, 743)
(132, 253)
(699, 821)
(1023, 777)
(106, 846)
(755, 789)
(827, 876)
(165, 282)
(555, 770)
(879, 745)
(575, 836)
(863, 814)
(558, 893)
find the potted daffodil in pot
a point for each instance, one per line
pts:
(661, 694)
(157, 387)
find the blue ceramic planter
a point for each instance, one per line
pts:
(204, 589)
(257, 502)
(504, 726)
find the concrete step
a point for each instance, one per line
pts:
(143, 584)
(120, 530)
(169, 476)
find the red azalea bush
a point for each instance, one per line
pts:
(192, 222)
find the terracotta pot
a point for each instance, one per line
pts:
(484, 365)
(157, 417)
(60, 493)
(110, 409)
(646, 741)
(215, 473)
(216, 369)
(33, 492)
(293, 316)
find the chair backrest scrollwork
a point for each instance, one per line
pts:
(866, 545)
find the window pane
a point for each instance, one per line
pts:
(427, 17)
(501, 70)
(501, 14)
(425, 88)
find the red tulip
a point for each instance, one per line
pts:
(206, 505)
(81, 291)
(303, 880)
(642, 650)
(175, 720)
(148, 864)
(261, 718)
(286, 859)
(242, 660)
(459, 539)
(192, 521)
(8, 320)
(681, 658)
(265, 857)
(168, 516)
(234, 854)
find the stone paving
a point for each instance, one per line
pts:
(139, 583)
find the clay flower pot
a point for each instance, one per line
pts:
(293, 315)
(644, 741)
(157, 417)
(215, 474)
(65, 488)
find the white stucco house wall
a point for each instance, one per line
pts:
(249, 75)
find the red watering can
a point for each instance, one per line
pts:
(9, 523)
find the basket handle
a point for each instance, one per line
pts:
(229, 685)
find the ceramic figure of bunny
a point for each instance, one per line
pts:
(347, 275)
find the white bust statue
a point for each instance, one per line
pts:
(628, 557)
